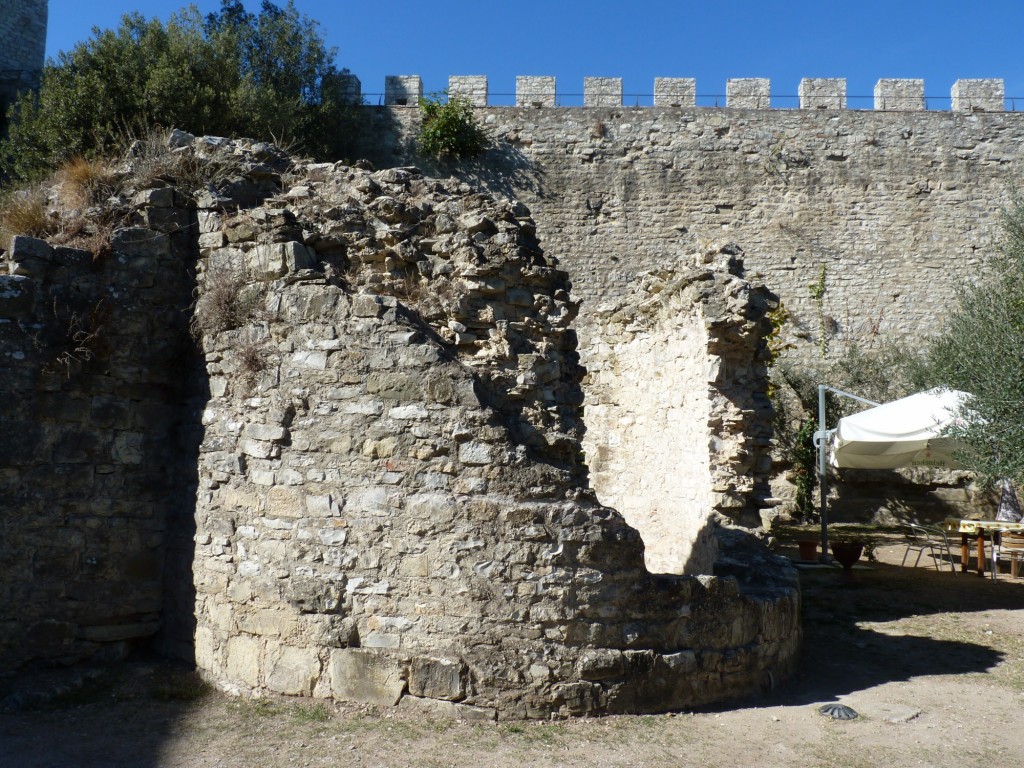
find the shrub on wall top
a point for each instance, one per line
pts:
(450, 130)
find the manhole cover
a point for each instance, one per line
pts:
(838, 711)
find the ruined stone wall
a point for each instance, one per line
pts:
(392, 509)
(678, 419)
(92, 476)
(368, 486)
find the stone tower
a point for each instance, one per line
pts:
(22, 46)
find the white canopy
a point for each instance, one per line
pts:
(902, 433)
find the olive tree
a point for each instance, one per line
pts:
(981, 351)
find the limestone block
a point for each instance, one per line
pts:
(602, 91)
(447, 710)
(244, 658)
(206, 657)
(535, 91)
(748, 93)
(471, 88)
(112, 632)
(823, 93)
(475, 453)
(367, 677)
(675, 92)
(29, 256)
(293, 671)
(437, 678)
(17, 295)
(284, 502)
(269, 432)
(979, 96)
(129, 447)
(139, 243)
(403, 90)
(272, 260)
(601, 664)
(896, 95)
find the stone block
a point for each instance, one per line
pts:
(269, 432)
(446, 710)
(403, 90)
(602, 91)
(108, 633)
(129, 447)
(979, 96)
(475, 454)
(293, 671)
(601, 664)
(823, 93)
(471, 88)
(437, 678)
(17, 295)
(748, 93)
(30, 256)
(895, 95)
(535, 91)
(367, 677)
(244, 659)
(675, 92)
(139, 243)
(273, 260)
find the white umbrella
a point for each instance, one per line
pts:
(903, 433)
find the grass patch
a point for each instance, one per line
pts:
(316, 713)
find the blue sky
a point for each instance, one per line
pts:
(863, 41)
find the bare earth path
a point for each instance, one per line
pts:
(934, 664)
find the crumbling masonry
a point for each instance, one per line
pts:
(373, 471)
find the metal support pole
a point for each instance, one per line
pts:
(823, 474)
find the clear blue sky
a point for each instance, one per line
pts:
(940, 41)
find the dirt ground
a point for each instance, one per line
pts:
(932, 662)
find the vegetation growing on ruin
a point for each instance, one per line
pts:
(266, 75)
(450, 130)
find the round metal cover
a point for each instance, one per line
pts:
(838, 711)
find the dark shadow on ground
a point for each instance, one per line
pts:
(840, 655)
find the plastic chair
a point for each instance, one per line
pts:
(931, 538)
(1007, 545)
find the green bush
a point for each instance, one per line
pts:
(450, 130)
(231, 73)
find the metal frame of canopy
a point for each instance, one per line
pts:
(821, 438)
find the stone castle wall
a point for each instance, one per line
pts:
(896, 207)
(22, 46)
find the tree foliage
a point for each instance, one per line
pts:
(450, 130)
(232, 73)
(981, 351)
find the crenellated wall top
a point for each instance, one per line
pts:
(890, 94)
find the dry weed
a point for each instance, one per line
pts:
(227, 301)
(25, 212)
(84, 183)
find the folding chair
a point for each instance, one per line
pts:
(1007, 545)
(931, 538)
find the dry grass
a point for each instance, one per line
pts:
(25, 212)
(84, 183)
(226, 302)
